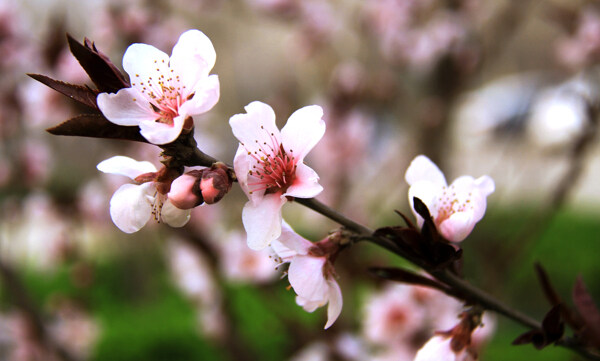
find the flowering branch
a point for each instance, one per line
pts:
(157, 108)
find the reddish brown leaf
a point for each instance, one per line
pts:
(547, 287)
(81, 94)
(100, 69)
(535, 337)
(408, 222)
(551, 331)
(589, 313)
(552, 325)
(96, 126)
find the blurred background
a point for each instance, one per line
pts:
(504, 88)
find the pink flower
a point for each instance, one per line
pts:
(164, 91)
(393, 316)
(438, 348)
(311, 272)
(241, 264)
(456, 208)
(132, 205)
(269, 165)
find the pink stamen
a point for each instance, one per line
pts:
(274, 170)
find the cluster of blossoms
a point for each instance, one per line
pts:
(164, 96)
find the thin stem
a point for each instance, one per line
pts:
(334, 215)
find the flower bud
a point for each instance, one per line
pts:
(215, 183)
(184, 193)
(207, 185)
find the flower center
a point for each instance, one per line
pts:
(450, 202)
(164, 92)
(397, 317)
(274, 170)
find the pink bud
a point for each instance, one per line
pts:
(215, 183)
(182, 193)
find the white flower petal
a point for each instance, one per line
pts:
(193, 57)
(303, 130)
(206, 95)
(293, 240)
(306, 277)
(468, 191)
(127, 107)
(174, 216)
(306, 184)
(282, 251)
(335, 302)
(256, 129)
(161, 133)
(144, 64)
(241, 165)
(125, 166)
(262, 221)
(486, 185)
(130, 208)
(307, 305)
(423, 169)
(458, 226)
(436, 349)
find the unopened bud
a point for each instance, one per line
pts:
(215, 183)
(184, 191)
(207, 185)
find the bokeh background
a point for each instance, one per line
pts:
(504, 88)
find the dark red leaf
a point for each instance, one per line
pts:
(526, 337)
(549, 290)
(421, 208)
(81, 94)
(552, 330)
(96, 126)
(535, 337)
(553, 325)
(589, 312)
(100, 69)
(406, 220)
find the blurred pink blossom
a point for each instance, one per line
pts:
(241, 264)
(75, 330)
(37, 235)
(393, 316)
(582, 49)
(193, 276)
